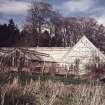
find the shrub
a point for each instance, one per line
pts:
(96, 69)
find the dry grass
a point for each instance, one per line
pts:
(51, 93)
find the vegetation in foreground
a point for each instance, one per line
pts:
(51, 92)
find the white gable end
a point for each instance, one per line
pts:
(85, 51)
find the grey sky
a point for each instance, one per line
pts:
(17, 9)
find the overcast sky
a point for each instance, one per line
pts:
(17, 9)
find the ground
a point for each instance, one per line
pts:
(47, 90)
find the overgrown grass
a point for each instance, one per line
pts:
(71, 79)
(37, 92)
(27, 89)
